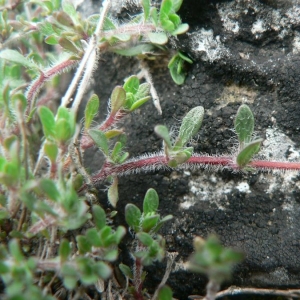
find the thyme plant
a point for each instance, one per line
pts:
(57, 241)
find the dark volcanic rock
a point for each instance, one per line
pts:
(243, 52)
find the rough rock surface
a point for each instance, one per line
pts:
(244, 51)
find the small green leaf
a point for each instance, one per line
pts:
(244, 124)
(162, 221)
(190, 125)
(165, 293)
(51, 39)
(63, 130)
(100, 139)
(15, 251)
(67, 45)
(99, 216)
(167, 24)
(64, 19)
(69, 9)
(163, 132)
(176, 4)
(119, 234)
(150, 222)
(113, 194)
(4, 214)
(159, 38)
(182, 28)
(182, 156)
(146, 8)
(84, 246)
(70, 282)
(145, 238)
(166, 8)
(247, 153)
(48, 121)
(64, 250)
(143, 91)
(151, 202)
(131, 84)
(93, 237)
(133, 216)
(175, 19)
(184, 57)
(118, 98)
(91, 109)
(116, 151)
(103, 270)
(51, 150)
(112, 255)
(123, 157)
(113, 133)
(139, 103)
(154, 16)
(175, 69)
(126, 271)
(50, 189)
(18, 58)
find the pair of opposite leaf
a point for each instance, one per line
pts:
(177, 153)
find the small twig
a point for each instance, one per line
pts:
(22, 218)
(87, 59)
(148, 77)
(171, 256)
(234, 291)
(76, 158)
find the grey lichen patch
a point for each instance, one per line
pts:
(278, 146)
(207, 46)
(229, 17)
(278, 18)
(258, 28)
(208, 188)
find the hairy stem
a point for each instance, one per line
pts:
(158, 161)
(37, 84)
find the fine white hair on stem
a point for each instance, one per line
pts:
(87, 64)
(145, 73)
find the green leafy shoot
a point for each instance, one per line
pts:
(213, 260)
(176, 67)
(244, 127)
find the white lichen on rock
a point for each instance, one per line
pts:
(208, 46)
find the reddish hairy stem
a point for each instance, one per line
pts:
(43, 77)
(138, 279)
(159, 161)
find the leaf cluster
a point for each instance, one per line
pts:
(212, 259)
(177, 152)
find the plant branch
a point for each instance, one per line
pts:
(158, 161)
(234, 291)
(37, 84)
(147, 75)
(87, 62)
